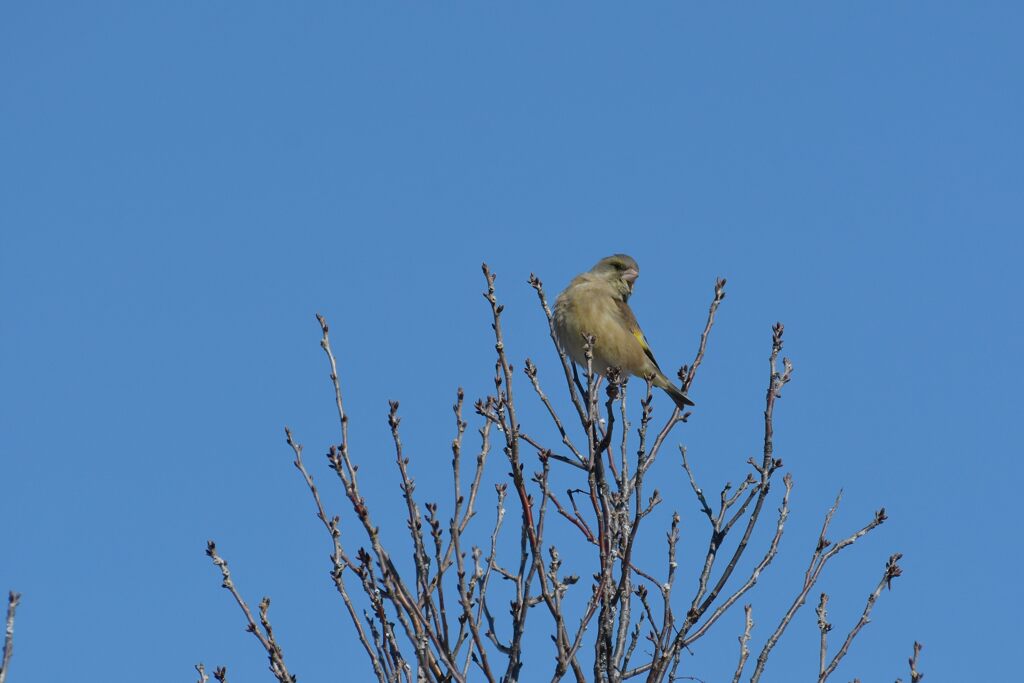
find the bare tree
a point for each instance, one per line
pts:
(436, 622)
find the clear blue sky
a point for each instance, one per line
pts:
(182, 185)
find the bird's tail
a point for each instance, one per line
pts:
(672, 390)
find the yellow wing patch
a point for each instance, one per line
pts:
(629, 320)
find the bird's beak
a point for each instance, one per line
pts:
(630, 276)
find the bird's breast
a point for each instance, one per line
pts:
(586, 309)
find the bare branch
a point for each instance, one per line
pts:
(413, 521)
(824, 627)
(416, 624)
(339, 559)
(691, 373)
(915, 675)
(773, 549)
(705, 508)
(532, 532)
(688, 374)
(748, 624)
(819, 559)
(531, 372)
(892, 570)
(266, 637)
(13, 599)
(704, 597)
(466, 593)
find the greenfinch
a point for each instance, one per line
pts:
(594, 303)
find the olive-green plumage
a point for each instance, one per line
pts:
(595, 303)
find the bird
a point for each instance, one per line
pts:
(596, 303)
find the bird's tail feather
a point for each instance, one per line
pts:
(677, 395)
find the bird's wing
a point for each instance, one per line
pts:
(629, 321)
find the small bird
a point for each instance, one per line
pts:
(595, 303)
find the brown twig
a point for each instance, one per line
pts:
(532, 531)
(266, 637)
(915, 675)
(892, 570)
(414, 522)
(339, 559)
(699, 358)
(819, 559)
(748, 625)
(705, 597)
(688, 374)
(465, 588)
(418, 626)
(823, 627)
(770, 553)
(531, 373)
(13, 599)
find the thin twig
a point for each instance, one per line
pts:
(748, 624)
(823, 627)
(531, 372)
(532, 536)
(892, 570)
(915, 675)
(417, 625)
(704, 597)
(773, 549)
(818, 561)
(266, 637)
(339, 559)
(12, 605)
(699, 358)
(688, 374)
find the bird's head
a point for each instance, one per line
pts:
(619, 270)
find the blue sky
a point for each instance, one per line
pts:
(183, 185)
